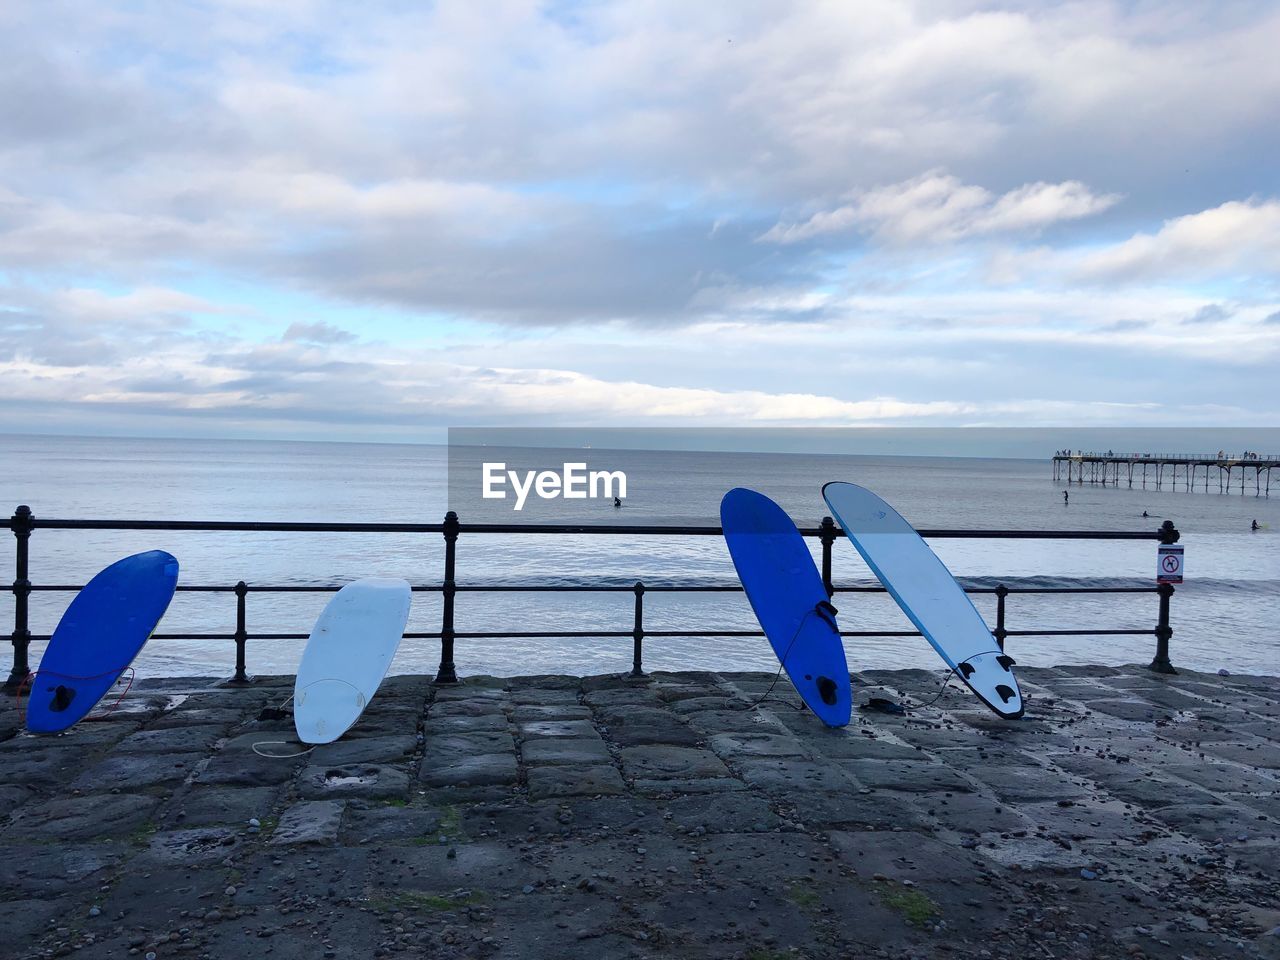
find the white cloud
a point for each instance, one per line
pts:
(1236, 242)
(319, 332)
(938, 208)
(1235, 237)
(289, 384)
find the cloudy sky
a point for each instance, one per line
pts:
(307, 219)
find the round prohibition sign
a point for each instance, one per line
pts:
(1171, 563)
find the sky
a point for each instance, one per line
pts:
(314, 220)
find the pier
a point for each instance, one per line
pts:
(1246, 472)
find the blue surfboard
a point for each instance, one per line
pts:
(927, 593)
(97, 638)
(788, 597)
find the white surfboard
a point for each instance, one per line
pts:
(928, 594)
(347, 655)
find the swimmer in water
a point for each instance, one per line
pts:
(617, 502)
(1145, 514)
(1254, 526)
(1066, 497)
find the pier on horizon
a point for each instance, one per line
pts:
(1159, 469)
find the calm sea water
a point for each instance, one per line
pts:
(1224, 616)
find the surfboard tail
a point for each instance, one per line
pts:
(990, 676)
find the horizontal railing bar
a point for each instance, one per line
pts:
(551, 634)
(1079, 633)
(572, 588)
(263, 526)
(246, 526)
(699, 531)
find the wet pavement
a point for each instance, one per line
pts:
(1128, 814)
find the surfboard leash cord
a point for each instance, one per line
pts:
(827, 612)
(280, 743)
(279, 756)
(937, 696)
(1006, 662)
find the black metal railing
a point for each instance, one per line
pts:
(23, 523)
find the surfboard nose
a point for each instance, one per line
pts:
(324, 709)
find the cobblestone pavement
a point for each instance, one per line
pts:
(1127, 815)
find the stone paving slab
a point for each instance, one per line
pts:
(1128, 815)
(366, 750)
(309, 821)
(575, 780)
(565, 750)
(202, 805)
(200, 737)
(486, 769)
(662, 762)
(79, 818)
(546, 729)
(364, 780)
(125, 772)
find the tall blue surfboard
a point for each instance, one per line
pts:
(97, 638)
(788, 597)
(927, 593)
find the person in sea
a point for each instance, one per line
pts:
(1254, 525)
(617, 502)
(1066, 497)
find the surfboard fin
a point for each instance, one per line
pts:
(1006, 693)
(62, 697)
(827, 690)
(827, 612)
(1005, 660)
(966, 670)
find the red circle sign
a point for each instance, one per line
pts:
(1171, 563)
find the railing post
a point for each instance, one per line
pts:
(1162, 663)
(447, 673)
(828, 537)
(20, 524)
(242, 635)
(1000, 632)
(637, 633)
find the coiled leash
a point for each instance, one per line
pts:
(280, 710)
(278, 713)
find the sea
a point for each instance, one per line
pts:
(1224, 616)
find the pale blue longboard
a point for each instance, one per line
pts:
(97, 638)
(347, 655)
(789, 600)
(927, 593)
